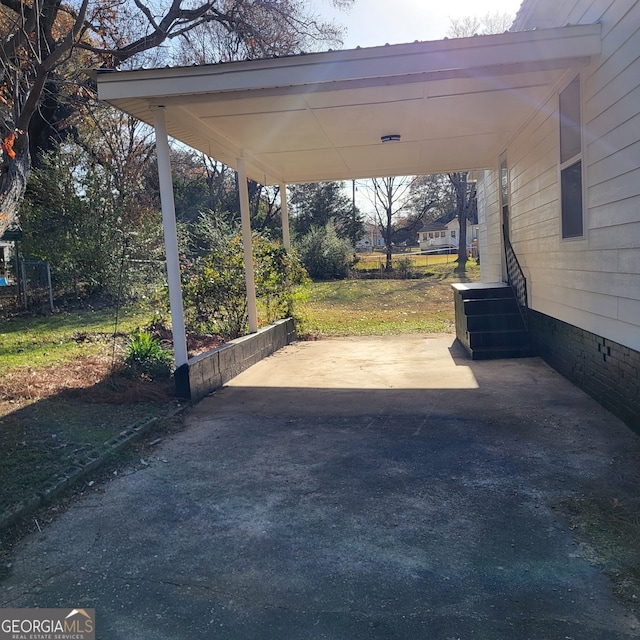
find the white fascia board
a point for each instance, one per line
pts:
(463, 54)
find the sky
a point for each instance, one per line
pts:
(372, 23)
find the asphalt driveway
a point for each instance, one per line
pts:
(360, 488)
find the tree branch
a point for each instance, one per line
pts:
(45, 67)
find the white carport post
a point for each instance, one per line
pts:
(248, 246)
(284, 213)
(170, 237)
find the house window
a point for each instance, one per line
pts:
(571, 160)
(453, 233)
(431, 234)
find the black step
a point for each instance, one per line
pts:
(485, 339)
(496, 353)
(489, 324)
(494, 322)
(486, 306)
(477, 290)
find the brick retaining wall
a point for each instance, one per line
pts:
(606, 370)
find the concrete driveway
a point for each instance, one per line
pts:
(360, 488)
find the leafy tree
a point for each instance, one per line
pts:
(430, 197)
(201, 184)
(73, 218)
(315, 204)
(45, 44)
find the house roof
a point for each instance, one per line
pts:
(455, 103)
(433, 226)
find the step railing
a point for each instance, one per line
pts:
(516, 279)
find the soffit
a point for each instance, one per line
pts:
(320, 117)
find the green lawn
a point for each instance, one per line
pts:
(379, 307)
(47, 340)
(57, 402)
(420, 261)
(384, 306)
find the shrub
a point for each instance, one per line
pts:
(405, 268)
(214, 291)
(279, 275)
(325, 255)
(214, 286)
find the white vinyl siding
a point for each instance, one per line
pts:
(594, 282)
(490, 234)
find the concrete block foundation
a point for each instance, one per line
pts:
(209, 371)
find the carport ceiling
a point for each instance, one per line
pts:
(316, 117)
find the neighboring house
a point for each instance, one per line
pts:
(566, 192)
(434, 235)
(371, 240)
(437, 235)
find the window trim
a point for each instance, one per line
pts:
(569, 163)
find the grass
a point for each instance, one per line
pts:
(58, 400)
(376, 260)
(43, 341)
(384, 306)
(379, 307)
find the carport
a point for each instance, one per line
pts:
(410, 109)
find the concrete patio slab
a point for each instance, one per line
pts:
(357, 488)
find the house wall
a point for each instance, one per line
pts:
(445, 240)
(430, 243)
(606, 370)
(593, 282)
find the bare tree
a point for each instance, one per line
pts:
(45, 44)
(465, 194)
(465, 191)
(389, 199)
(479, 25)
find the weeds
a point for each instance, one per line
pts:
(145, 357)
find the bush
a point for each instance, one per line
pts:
(405, 268)
(214, 286)
(278, 274)
(145, 357)
(325, 255)
(98, 244)
(214, 291)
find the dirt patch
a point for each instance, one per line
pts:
(92, 378)
(608, 529)
(196, 343)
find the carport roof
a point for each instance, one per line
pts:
(315, 117)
